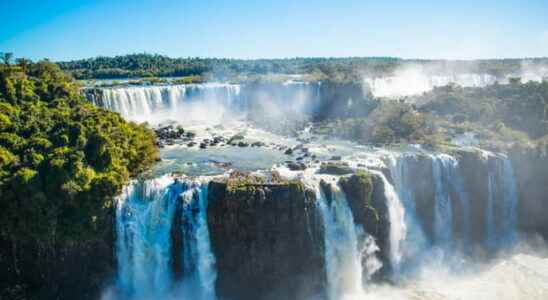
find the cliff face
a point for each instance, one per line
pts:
(265, 240)
(366, 198)
(343, 100)
(29, 270)
(531, 171)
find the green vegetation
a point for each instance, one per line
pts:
(147, 65)
(348, 69)
(62, 160)
(390, 122)
(498, 116)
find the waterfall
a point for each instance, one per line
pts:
(415, 81)
(443, 171)
(210, 102)
(398, 227)
(510, 200)
(202, 102)
(144, 249)
(143, 221)
(199, 261)
(501, 207)
(342, 255)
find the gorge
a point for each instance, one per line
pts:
(354, 221)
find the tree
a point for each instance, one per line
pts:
(23, 63)
(62, 161)
(6, 57)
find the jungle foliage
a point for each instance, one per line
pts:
(343, 69)
(62, 161)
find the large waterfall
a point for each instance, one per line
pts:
(156, 103)
(146, 218)
(342, 258)
(444, 171)
(163, 241)
(416, 80)
(502, 203)
(398, 227)
(439, 215)
(208, 102)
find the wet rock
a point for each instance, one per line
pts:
(335, 157)
(203, 145)
(265, 236)
(335, 168)
(257, 144)
(235, 138)
(296, 166)
(289, 151)
(243, 144)
(191, 144)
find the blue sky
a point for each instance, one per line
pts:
(465, 29)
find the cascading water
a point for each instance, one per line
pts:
(209, 102)
(398, 227)
(501, 216)
(444, 167)
(412, 241)
(413, 82)
(449, 194)
(199, 262)
(150, 103)
(510, 206)
(145, 218)
(342, 258)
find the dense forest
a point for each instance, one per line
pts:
(339, 69)
(62, 160)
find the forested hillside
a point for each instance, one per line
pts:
(339, 69)
(62, 160)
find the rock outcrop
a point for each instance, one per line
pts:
(366, 198)
(265, 236)
(531, 171)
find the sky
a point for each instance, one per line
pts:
(463, 29)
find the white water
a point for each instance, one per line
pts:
(510, 206)
(144, 221)
(398, 228)
(412, 242)
(199, 262)
(342, 258)
(501, 217)
(516, 277)
(444, 171)
(192, 103)
(415, 80)
(210, 103)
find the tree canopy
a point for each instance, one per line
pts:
(62, 160)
